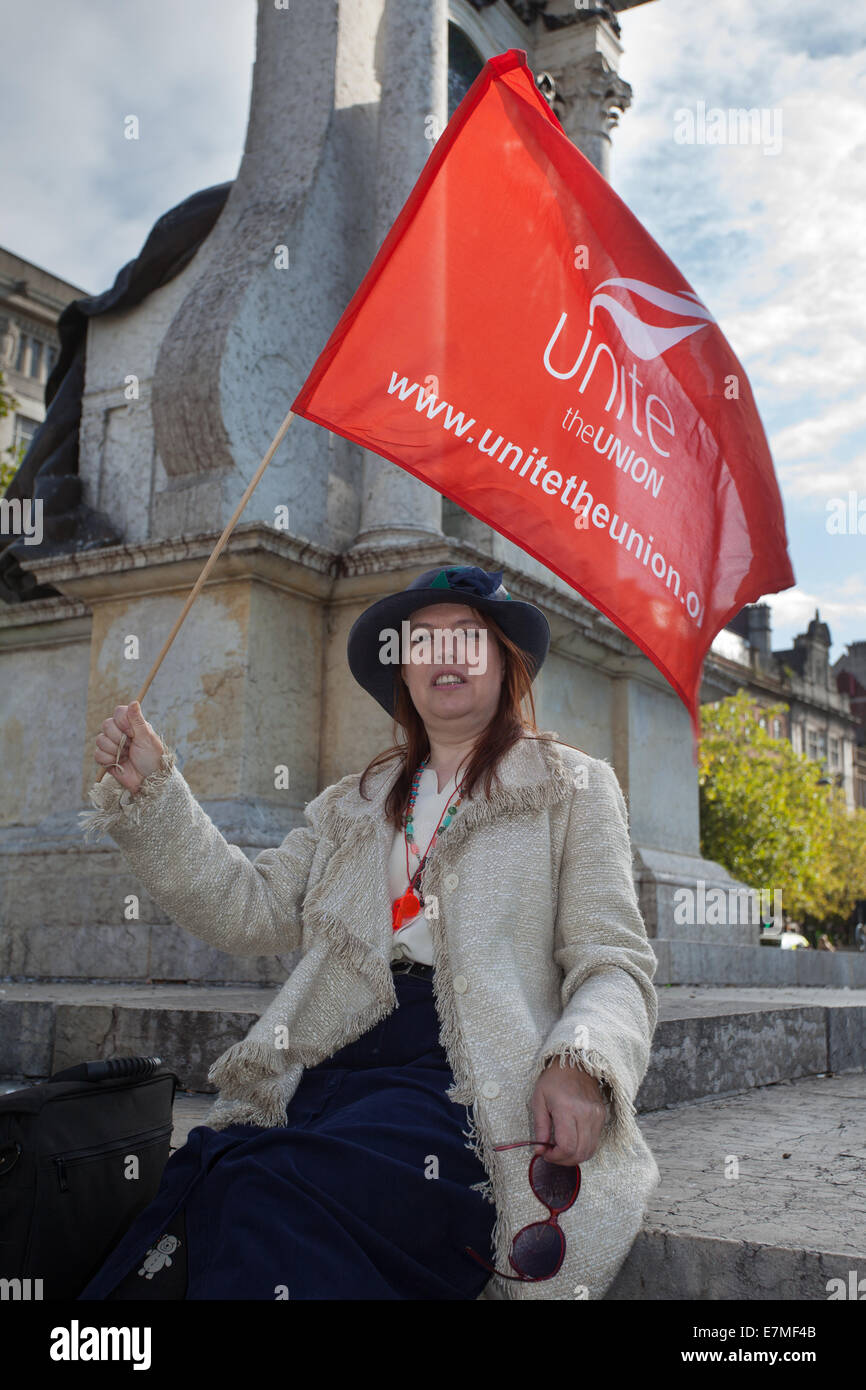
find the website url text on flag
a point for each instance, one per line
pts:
(638, 545)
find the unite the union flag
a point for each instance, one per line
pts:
(521, 344)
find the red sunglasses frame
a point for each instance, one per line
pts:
(552, 1220)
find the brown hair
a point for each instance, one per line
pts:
(508, 725)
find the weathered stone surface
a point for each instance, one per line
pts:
(187, 1026)
(709, 963)
(26, 1035)
(707, 1042)
(792, 1218)
(707, 1054)
(44, 661)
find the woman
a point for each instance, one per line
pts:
(475, 971)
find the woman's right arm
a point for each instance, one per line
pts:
(206, 885)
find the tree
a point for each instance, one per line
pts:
(847, 877)
(9, 466)
(766, 816)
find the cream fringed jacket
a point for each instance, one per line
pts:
(540, 951)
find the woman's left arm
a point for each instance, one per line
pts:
(596, 1055)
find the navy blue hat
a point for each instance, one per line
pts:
(523, 623)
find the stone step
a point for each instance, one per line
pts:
(139, 952)
(762, 1196)
(709, 1041)
(682, 962)
(136, 952)
(45, 1027)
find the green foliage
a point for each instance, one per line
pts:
(10, 459)
(766, 817)
(9, 466)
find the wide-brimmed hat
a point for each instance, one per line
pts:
(483, 590)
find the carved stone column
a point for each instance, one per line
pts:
(580, 57)
(394, 505)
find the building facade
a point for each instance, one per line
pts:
(822, 723)
(31, 301)
(850, 673)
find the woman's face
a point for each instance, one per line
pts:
(456, 641)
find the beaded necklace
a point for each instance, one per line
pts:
(410, 904)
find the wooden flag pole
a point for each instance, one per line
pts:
(212, 559)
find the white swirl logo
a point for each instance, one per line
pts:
(649, 340)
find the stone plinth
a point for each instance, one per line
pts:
(237, 696)
(343, 95)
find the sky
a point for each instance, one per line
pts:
(773, 244)
(768, 233)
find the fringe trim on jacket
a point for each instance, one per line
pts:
(115, 803)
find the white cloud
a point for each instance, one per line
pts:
(822, 433)
(813, 478)
(793, 610)
(772, 243)
(79, 198)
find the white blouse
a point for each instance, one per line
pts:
(413, 940)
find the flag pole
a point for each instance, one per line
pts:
(211, 561)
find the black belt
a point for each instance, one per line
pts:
(412, 967)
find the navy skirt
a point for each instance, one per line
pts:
(364, 1193)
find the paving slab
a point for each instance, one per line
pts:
(762, 1195)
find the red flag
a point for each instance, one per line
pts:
(523, 345)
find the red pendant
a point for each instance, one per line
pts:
(404, 908)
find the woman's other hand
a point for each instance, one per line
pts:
(142, 748)
(568, 1106)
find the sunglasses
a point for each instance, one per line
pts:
(537, 1251)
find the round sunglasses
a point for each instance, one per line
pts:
(537, 1251)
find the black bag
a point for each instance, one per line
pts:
(65, 1145)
